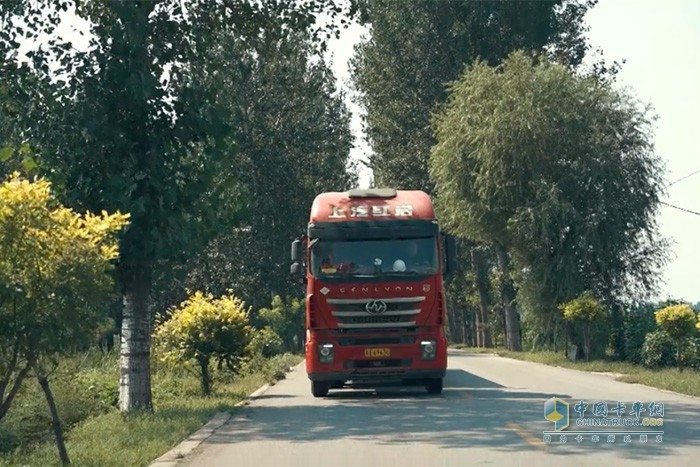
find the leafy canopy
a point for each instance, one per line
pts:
(585, 308)
(677, 320)
(54, 266)
(558, 168)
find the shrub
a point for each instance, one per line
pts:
(286, 319)
(690, 353)
(678, 321)
(657, 350)
(265, 343)
(638, 323)
(203, 329)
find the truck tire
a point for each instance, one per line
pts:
(319, 388)
(434, 386)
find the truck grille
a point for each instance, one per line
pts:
(369, 313)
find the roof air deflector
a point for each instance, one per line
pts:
(373, 193)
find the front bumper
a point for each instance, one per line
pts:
(398, 377)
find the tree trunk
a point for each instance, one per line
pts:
(135, 356)
(479, 328)
(465, 328)
(455, 320)
(678, 356)
(55, 421)
(6, 401)
(513, 341)
(482, 286)
(205, 376)
(587, 341)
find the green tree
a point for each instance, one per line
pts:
(54, 279)
(292, 142)
(145, 135)
(679, 322)
(559, 171)
(203, 329)
(639, 322)
(286, 319)
(417, 47)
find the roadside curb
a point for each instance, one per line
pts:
(173, 457)
(176, 454)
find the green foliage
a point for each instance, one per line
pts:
(205, 329)
(691, 353)
(286, 319)
(148, 136)
(291, 141)
(265, 343)
(658, 350)
(83, 386)
(97, 431)
(638, 322)
(401, 79)
(559, 169)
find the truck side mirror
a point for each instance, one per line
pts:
(297, 272)
(450, 254)
(296, 250)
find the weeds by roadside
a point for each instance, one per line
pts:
(99, 435)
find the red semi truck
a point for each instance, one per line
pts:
(373, 262)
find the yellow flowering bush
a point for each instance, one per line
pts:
(584, 312)
(204, 329)
(678, 321)
(54, 277)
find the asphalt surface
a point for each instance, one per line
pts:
(491, 412)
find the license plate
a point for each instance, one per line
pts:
(377, 352)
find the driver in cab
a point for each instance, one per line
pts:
(413, 260)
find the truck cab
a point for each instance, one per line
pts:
(373, 263)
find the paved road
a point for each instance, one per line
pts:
(490, 413)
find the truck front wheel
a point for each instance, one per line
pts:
(319, 388)
(434, 386)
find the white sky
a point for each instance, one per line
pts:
(659, 41)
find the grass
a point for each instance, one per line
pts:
(685, 382)
(108, 438)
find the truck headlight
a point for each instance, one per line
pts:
(325, 353)
(428, 349)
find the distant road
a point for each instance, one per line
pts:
(490, 413)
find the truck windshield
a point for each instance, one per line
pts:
(366, 258)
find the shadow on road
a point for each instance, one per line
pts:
(471, 412)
